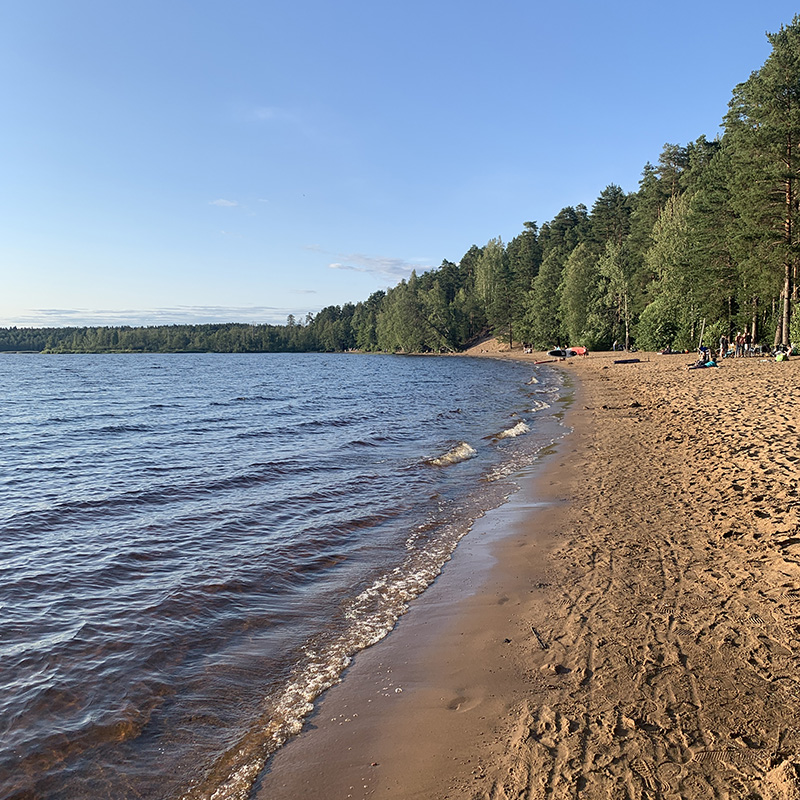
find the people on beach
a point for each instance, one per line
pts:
(723, 346)
(706, 359)
(782, 352)
(701, 364)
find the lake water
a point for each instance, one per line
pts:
(192, 547)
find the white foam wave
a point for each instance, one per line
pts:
(518, 430)
(461, 452)
(533, 380)
(372, 615)
(538, 405)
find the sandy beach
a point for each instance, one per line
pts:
(627, 627)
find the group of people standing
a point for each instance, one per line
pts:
(742, 345)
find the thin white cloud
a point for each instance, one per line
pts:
(275, 114)
(380, 266)
(223, 203)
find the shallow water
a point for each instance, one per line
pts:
(192, 547)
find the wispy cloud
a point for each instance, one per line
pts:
(380, 266)
(176, 315)
(275, 114)
(223, 203)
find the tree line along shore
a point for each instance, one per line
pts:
(710, 241)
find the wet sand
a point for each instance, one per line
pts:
(628, 626)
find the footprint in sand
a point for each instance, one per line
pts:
(460, 703)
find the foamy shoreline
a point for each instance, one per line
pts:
(638, 635)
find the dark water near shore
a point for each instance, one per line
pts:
(192, 547)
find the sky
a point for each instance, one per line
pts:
(192, 161)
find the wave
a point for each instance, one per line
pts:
(137, 501)
(371, 615)
(518, 430)
(538, 405)
(461, 452)
(121, 428)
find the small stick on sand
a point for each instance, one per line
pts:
(539, 638)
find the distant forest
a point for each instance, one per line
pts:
(710, 239)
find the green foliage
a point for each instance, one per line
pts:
(794, 330)
(585, 315)
(611, 216)
(668, 320)
(400, 321)
(763, 125)
(487, 272)
(657, 327)
(543, 318)
(615, 265)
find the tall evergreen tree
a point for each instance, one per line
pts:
(567, 229)
(468, 307)
(611, 217)
(672, 162)
(710, 256)
(501, 313)
(524, 253)
(763, 123)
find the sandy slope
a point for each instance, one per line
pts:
(638, 639)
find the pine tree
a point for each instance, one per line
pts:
(763, 123)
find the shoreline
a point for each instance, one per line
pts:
(638, 634)
(366, 730)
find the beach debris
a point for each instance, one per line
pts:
(539, 639)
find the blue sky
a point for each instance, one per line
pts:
(198, 160)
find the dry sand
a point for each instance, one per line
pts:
(639, 634)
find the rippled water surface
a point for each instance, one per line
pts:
(192, 547)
